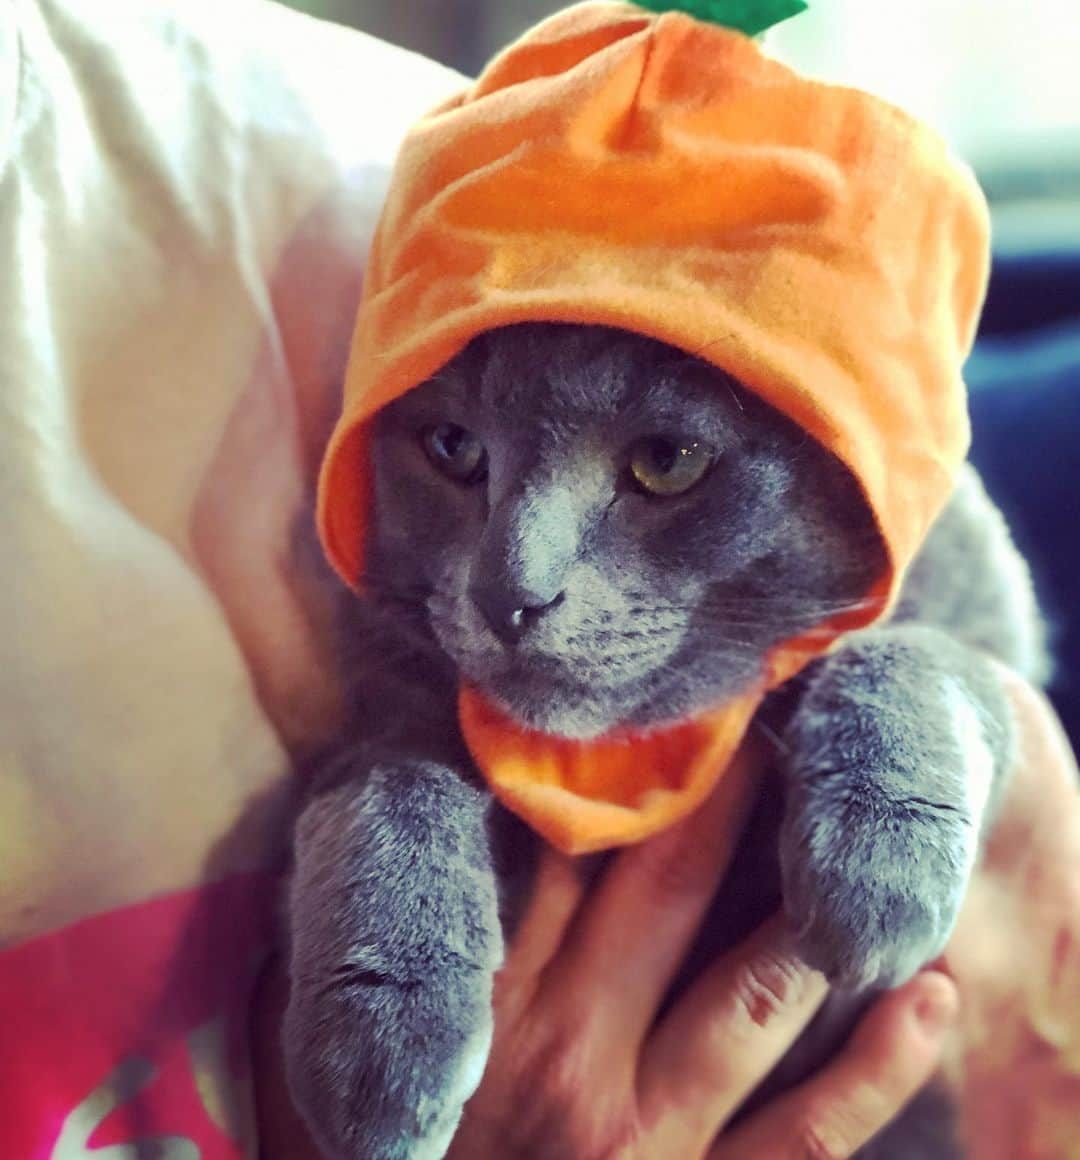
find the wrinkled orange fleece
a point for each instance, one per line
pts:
(663, 175)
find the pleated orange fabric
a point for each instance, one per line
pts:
(663, 175)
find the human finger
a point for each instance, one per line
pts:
(724, 1036)
(891, 1054)
(1043, 786)
(634, 931)
(556, 896)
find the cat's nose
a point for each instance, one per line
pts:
(510, 612)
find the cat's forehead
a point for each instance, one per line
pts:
(586, 375)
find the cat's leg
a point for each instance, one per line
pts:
(395, 937)
(896, 754)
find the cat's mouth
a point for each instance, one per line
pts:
(538, 689)
(568, 678)
(518, 680)
(560, 711)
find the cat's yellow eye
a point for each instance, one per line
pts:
(456, 452)
(667, 467)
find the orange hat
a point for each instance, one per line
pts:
(661, 174)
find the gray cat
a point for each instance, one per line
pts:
(536, 533)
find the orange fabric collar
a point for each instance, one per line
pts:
(584, 796)
(619, 789)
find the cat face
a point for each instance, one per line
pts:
(604, 531)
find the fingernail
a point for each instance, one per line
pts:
(936, 1007)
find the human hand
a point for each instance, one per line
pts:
(1013, 1059)
(578, 1068)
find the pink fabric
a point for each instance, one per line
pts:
(130, 1027)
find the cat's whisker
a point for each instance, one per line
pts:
(770, 734)
(376, 590)
(781, 600)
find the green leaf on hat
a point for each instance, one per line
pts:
(750, 16)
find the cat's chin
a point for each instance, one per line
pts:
(540, 694)
(566, 718)
(570, 713)
(550, 700)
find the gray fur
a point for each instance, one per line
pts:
(669, 604)
(644, 610)
(883, 822)
(395, 891)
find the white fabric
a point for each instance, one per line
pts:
(186, 196)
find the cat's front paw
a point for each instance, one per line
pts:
(381, 1067)
(872, 885)
(394, 942)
